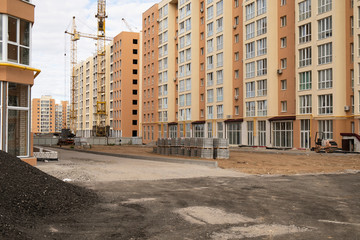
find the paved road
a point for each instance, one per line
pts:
(153, 200)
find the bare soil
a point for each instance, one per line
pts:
(261, 161)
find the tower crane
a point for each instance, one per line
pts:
(100, 128)
(127, 25)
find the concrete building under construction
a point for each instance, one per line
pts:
(121, 66)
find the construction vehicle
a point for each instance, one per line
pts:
(322, 144)
(66, 137)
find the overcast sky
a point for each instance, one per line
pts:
(53, 17)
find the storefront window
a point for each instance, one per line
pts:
(18, 119)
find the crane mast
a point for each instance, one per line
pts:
(100, 129)
(73, 59)
(101, 114)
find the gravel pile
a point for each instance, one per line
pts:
(28, 195)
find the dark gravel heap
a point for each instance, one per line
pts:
(28, 195)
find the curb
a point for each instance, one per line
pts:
(213, 164)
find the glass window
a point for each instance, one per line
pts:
(234, 133)
(283, 134)
(18, 119)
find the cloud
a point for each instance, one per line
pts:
(53, 17)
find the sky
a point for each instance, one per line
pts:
(50, 43)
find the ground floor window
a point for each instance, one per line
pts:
(234, 133)
(305, 133)
(283, 134)
(326, 127)
(181, 130)
(220, 130)
(173, 131)
(262, 133)
(250, 133)
(188, 130)
(165, 131)
(18, 111)
(159, 131)
(198, 130)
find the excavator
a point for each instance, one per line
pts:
(322, 144)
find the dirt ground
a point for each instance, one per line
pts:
(261, 161)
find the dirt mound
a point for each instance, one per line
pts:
(28, 195)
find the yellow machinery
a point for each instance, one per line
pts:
(327, 145)
(100, 129)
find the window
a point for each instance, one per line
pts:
(305, 104)
(210, 113)
(326, 127)
(261, 67)
(262, 133)
(219, 42)
(324, 6)
(219, 8)
(209, 130)
(18, 47)
(262, 108)
(305, 133)
(210, 12)
(326, 104)
(220, 130)
(282, 2)
(325, 78)
(236, 39)
(325, 53)
(236, 3)
(262, 88)
(283, 21)
(210, 79)
(234, 133)
(219, 111)
(250, 89)
(210, 44)
(250, 69)
(18, 119)
(304, 10)
(283, 63)
(210, 29)
(250, 109)
(219, 77)
(325, 28)
(261, 46)
(1, 36)
(283, 106)
(261, 26)
(250, 30)
(305, 57)
(305, 33)
(219, 94)
(261, 6)
(250, 133)
(250, 50)
(283, 134)
(283, 42)
(283, 84)
(210, 96)
(219, 25)
(210, 62)
(250, 11)
(305, 80)
(198, 130)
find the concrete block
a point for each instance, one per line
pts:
(193, 152)
(206, 153)
(221, 143)
(205, 143)
(221, 153)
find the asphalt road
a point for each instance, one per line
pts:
(155, 200)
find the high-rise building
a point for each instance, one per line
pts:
(16, 77)
(121, 66)
(258, 72)
(43, 115)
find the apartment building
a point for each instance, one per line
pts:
(121, 67)
(43, 115)
(259, 73)
(61, 116)
(16, 77)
